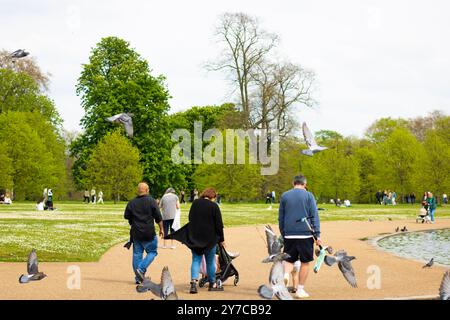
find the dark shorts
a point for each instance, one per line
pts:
(299, 249)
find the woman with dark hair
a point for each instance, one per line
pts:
(205, 232)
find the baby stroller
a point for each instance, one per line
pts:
(424, 215)
(226, 269)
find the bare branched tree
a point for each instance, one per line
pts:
(244, 45)
(268, 91)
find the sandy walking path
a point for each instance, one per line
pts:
(111, 277)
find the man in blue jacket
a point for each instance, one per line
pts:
(295, 205)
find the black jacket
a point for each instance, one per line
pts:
(205, 227)
(142, 212)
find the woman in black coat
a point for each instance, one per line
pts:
(205, 231)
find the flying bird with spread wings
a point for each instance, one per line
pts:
(313, 147)
(33, 273)
(344, 264)
(274, 244)
(21, 53)
(277, 287)
(125, 119)
(444, 289)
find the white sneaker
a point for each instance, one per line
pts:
(301, 294)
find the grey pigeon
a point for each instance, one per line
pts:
(21, 53)
(444, 289)
(311, 143)
(165, 290)
(404, 229)
(370, 220)
(33, 273)
(274, 244)
(277, 286)
(125, 119)
(429, 264)
(344, 264)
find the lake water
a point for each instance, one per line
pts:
(422, 245)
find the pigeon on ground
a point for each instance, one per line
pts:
(165, 290)
(274, 244)
(125, 119)
(311, 143)
(429, 264)
(277, 286)
(344, 264)
(33, 273)
(404, 229)
(21, 53)
(444, 289)
(370, 220)
(398, 229)
(390, 219)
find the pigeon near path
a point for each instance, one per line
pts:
(165, 290)
(274, 244)
(126, 120)
(344, 264)
(429, 264)
(277, 287)
(444, 289)
(311, 143)
(33, 273)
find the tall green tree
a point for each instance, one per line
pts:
(398, 160)
(114, 167)
(435, 169)
(7, 170)
(36, 153)
(20, 92)
(117, 79)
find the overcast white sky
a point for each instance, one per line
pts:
(372, 58)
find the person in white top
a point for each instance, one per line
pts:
(100, 197)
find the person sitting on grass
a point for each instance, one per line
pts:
(7, 200)
(40, 205)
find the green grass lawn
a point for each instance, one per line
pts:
(84, 232)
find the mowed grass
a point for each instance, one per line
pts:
(84, 232)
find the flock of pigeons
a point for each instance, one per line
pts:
(277, 287)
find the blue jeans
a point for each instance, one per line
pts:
(150, 248)
(210, 258)
(432, 214)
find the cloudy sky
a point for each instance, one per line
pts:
(372, 58)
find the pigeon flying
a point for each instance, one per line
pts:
(21, 53)
(444, 290)
(344, 264)
(33, 273)
(277, 286)
(429, 264)
(274, 244)
(125, 119)
(165, 290)
(311, 143)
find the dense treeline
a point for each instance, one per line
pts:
(402, 155)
